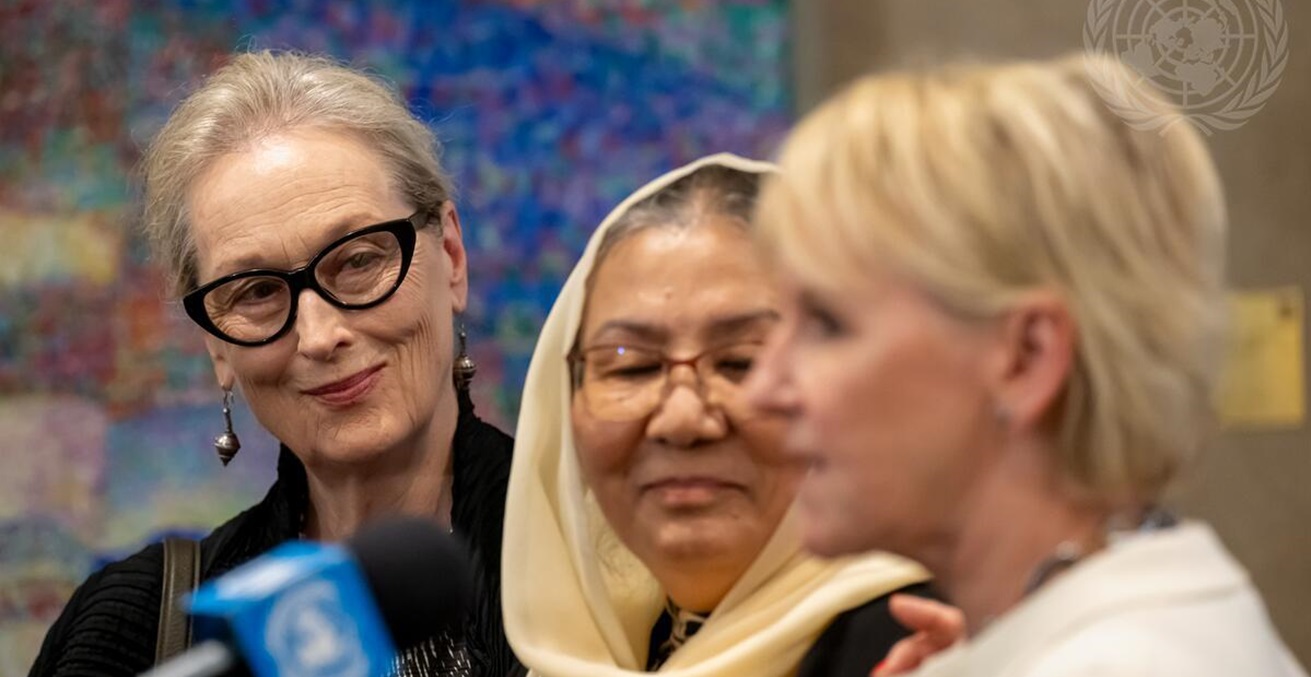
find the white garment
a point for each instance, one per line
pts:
(1170, 603)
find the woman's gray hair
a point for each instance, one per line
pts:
(260, 94)
(713, 190)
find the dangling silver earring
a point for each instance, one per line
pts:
(464, 368)
(227, 445)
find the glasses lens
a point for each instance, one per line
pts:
(724, 371)
(621, 383)
(249, 308)
(725, 368)
(361, 270)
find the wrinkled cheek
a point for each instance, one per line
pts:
(423, 359)
(276, 412)
(266, 393)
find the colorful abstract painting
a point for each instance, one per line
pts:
(551, 111)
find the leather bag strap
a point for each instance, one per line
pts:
(181, 576)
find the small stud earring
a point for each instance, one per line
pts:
(464, 369)
(1002, 415)
(227, 445)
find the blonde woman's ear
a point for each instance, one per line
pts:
(1038, 343)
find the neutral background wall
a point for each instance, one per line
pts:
(1251, 485)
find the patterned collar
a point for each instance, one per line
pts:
(682, 625)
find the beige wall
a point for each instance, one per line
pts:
(1255, 487)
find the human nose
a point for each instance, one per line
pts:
(320, 327)
(685, 417)
(768, 387)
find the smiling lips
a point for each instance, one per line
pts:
(689, 492)
(348, 390)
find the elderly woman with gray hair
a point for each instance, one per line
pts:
(302, 216)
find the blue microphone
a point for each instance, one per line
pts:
(310, 609)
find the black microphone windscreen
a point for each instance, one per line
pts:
(420, 576)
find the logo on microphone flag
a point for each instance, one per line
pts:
(303, 610)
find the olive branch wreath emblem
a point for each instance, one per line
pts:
(1125, 99)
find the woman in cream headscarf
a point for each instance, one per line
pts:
(674, 498)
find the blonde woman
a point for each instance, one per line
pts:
(1003, 316)
(649, 522)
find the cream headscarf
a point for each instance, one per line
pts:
(578, 603)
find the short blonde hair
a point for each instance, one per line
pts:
(982, 182)
(257, 95)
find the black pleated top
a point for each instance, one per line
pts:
(109, 627)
